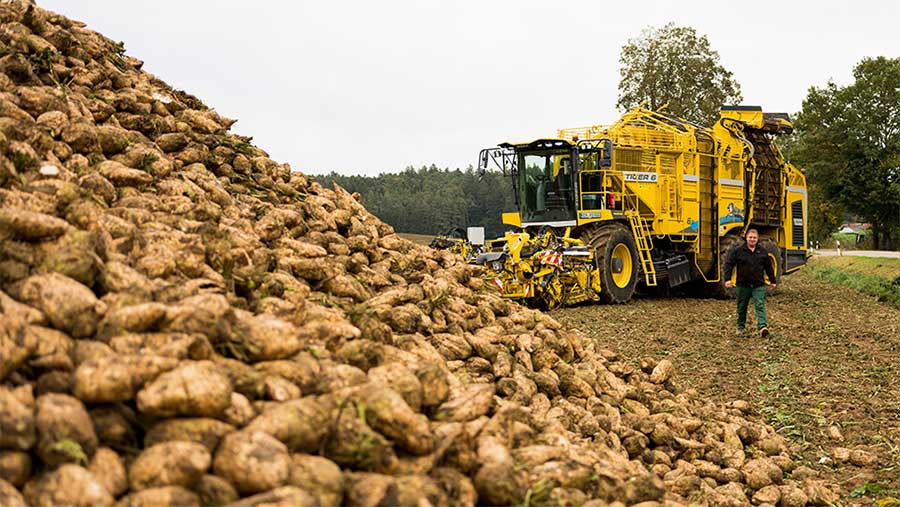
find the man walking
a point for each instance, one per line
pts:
(752, 263)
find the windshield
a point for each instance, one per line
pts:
(546, 186)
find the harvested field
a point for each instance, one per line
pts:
(828, 378)
(419, 239)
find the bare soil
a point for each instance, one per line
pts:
(419, 239)
(831, 362)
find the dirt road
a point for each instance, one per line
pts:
(828, 377)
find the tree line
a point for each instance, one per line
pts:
(431, 200)
(846, 138)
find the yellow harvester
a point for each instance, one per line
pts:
(650, 199)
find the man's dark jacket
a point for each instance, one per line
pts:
(751, 266)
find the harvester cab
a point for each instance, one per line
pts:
(545, 177)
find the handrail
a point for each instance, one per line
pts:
(617, 189)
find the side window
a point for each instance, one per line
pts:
(565, 173)
(588, 161)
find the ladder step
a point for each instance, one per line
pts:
(645, 245)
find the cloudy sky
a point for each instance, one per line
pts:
(362, 87)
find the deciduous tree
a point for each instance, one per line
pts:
(848, 138)
(673, 65)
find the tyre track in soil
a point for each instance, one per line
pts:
(833, 360)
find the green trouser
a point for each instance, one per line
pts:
(759, 304)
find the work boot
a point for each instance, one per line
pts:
(741, 333)
(764, 331)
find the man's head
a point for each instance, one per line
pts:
(752, 238)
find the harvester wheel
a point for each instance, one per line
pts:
(733, 240)
(726, 244)
(774, 252)
(617, 260)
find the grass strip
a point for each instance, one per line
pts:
(884, 289)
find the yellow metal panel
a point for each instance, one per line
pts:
(512, 218)
(752, 118)
(647, 192)
(691, 212)
(690, 189)
(793, 197)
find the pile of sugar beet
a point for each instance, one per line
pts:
(184, 321)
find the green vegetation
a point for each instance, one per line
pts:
(240, 144)
(867, 489)
(147, 160)
(431, 200)
(780, 396)
(538, 494)
(71, 449)
(876, 276)
(887, 268)
(21, 162)
(42, 61)
(848, 241)
(673, 65)
(848, 140)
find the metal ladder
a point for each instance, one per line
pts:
(644, 245)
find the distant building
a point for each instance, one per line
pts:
(859, 230)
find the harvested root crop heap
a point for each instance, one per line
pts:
(184, 321)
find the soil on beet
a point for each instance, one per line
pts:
(831, 361)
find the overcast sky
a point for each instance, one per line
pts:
(363, 87)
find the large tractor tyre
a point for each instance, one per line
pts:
(775, 257)
(726, 245)
(617, 261)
